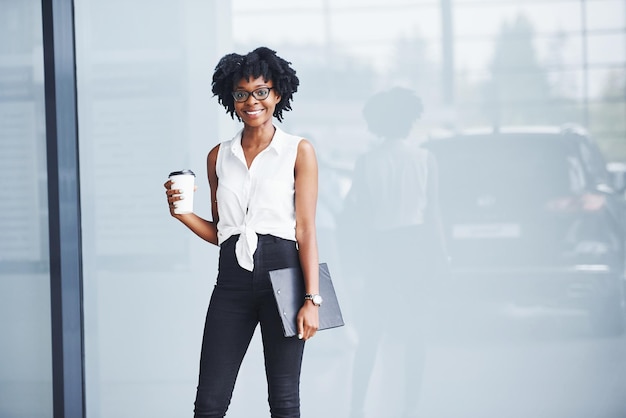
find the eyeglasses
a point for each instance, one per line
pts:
(261, 93)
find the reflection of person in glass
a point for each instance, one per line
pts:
(391, 231)
(263, 196)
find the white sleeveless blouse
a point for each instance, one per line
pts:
(258, 200)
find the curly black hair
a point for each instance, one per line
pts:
(262, 62)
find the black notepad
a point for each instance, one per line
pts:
(288, 285)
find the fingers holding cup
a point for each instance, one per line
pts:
(180, 190)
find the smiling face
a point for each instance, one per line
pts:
(252, 111)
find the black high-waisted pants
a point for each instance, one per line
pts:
(240, 300)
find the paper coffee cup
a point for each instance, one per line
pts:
(184, 180)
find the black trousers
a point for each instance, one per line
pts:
(240, 300)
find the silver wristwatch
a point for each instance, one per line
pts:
(316, 299)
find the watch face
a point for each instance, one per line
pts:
(317, 299)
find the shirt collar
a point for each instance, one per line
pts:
(277, 144)
(278, 141)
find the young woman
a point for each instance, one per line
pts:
(263, 197)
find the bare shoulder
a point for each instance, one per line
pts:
(211, 158)
(306, 149)
(213, 153)
(306, 161)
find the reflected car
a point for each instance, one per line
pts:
(540, 207)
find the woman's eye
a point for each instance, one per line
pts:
(262, 92)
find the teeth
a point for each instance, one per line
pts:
(255, 112)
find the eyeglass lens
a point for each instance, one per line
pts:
(259, 94)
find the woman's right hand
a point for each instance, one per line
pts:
(172, 196)
(206, 230)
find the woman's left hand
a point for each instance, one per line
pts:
(308, 320)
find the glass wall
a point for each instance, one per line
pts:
(25, 345)
(145, 109)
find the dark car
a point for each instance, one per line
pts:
(538, 209)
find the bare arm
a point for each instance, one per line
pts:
(305, 203)
(205, 229)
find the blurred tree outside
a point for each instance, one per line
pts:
(519, 91)
(608, 117)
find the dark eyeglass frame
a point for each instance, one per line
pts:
(254, 93)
